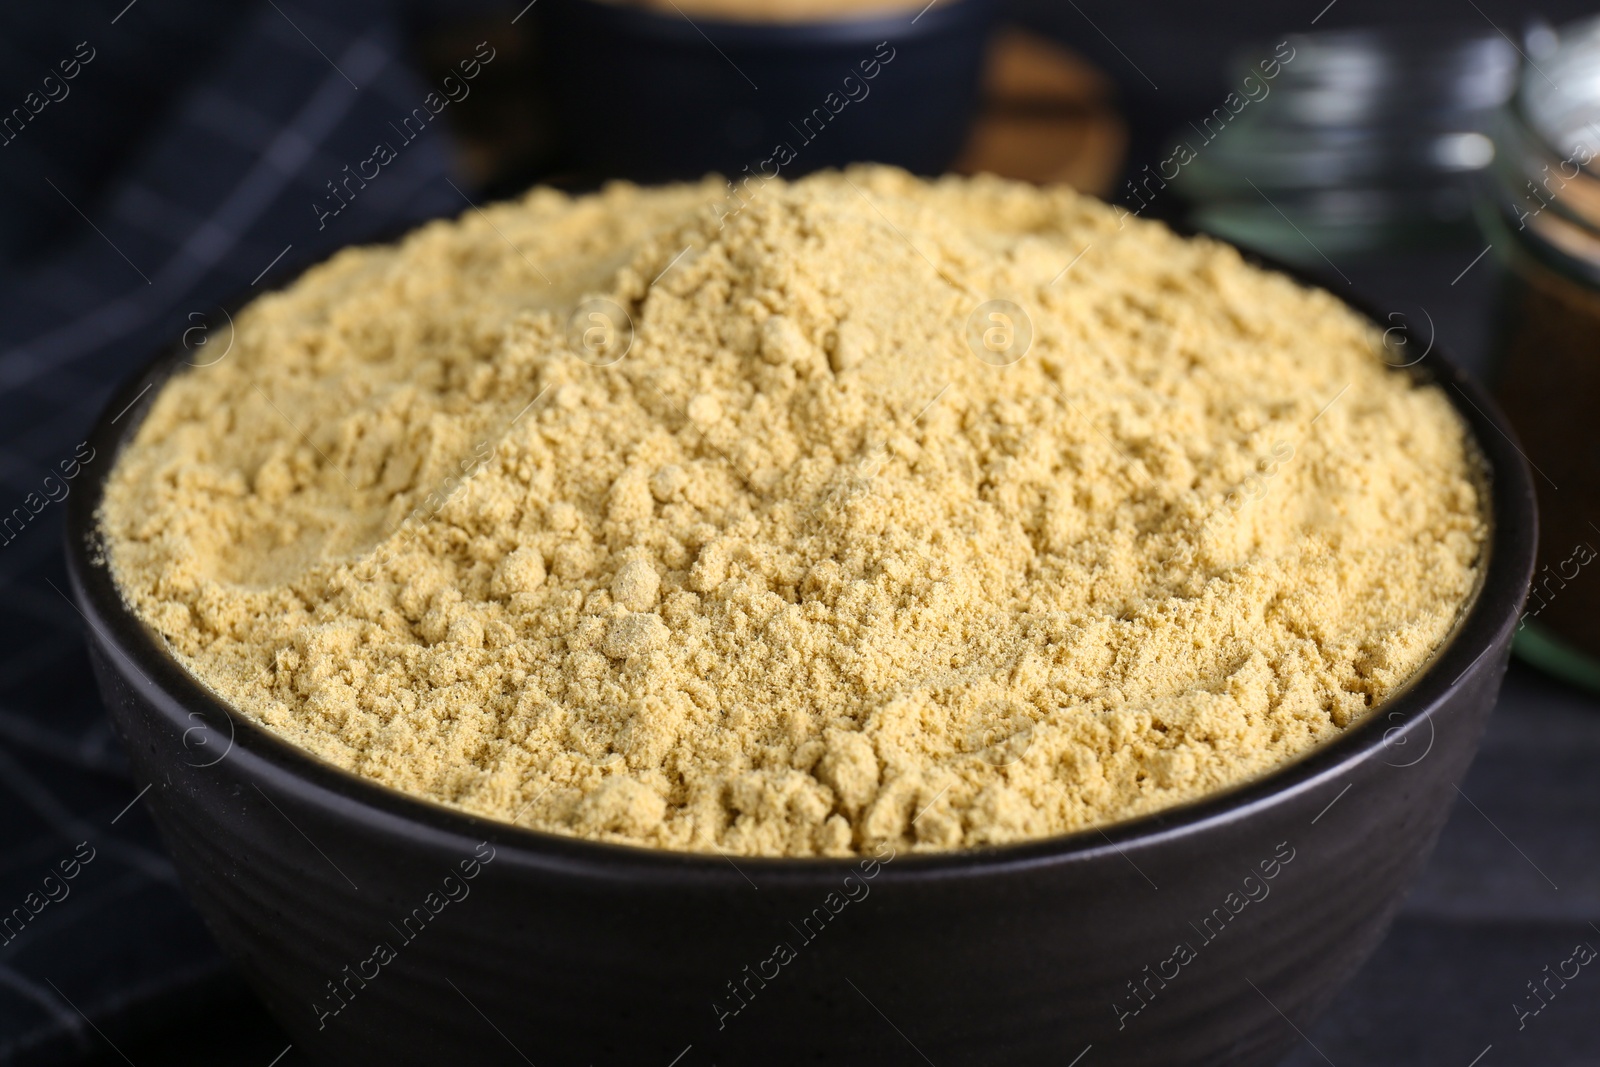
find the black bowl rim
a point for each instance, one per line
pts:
(893, 26)
(1486, 620)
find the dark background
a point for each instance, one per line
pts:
(180, 168)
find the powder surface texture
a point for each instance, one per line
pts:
(659, 518)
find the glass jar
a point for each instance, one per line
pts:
(1544, 224)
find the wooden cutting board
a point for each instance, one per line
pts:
(1047, 117)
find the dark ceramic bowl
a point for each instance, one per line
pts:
(386, 930)
(650, 96)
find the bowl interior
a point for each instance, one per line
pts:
(1486, 618)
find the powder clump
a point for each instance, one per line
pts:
(847, 518)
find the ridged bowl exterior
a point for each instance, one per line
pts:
(1160, 941)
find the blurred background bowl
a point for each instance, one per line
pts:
(651, 96)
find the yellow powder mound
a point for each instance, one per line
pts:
(824, 550)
